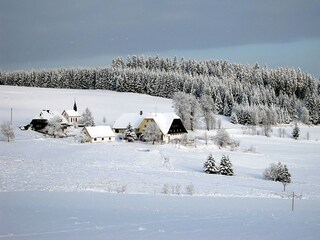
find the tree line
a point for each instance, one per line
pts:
(244, 91)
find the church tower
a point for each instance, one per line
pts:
(75, 106)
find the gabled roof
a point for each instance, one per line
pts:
(47, 115)
(71, 113)
(163, 120)
(134, 119)
(100, 131)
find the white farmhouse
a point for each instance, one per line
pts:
(98, 134)
(170, 124)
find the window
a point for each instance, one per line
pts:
(102, 139)
(109, 138)
(95, 139)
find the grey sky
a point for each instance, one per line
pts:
(47, 33)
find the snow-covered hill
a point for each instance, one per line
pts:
(34, 163)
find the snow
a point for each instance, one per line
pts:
(48, 115)
(100, 131)
(163, 120)
(123, 121)
(59, 189)
(72, 113)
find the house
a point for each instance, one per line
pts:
(170, 124)
(40, 121)
(72, 116)
(98, 134)
(123, 121)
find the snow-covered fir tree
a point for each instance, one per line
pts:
(296, 131)
(234, 118)
(86, 118)
(226, 167)
(276, 90)
(130, 134)
(210, 166)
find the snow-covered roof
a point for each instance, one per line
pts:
(134, 119)
(163, 120)
(100, 131)
(71, 113)
(48, 114)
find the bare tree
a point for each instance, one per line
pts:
(55, 126)
(7, 130)
(152, 133)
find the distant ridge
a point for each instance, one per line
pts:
(289, 94)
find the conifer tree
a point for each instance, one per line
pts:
(226, 167)
(234, 118)
(129, 134)
(86, 118)
(296, 132)
(210, 166)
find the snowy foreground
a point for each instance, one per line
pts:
(60, 189)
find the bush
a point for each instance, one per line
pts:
(190, 190)
(223, 139)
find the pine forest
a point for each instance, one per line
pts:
(251, 94)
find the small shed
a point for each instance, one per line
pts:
(98, 134)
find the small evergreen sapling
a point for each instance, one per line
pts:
(129, 134)
(296, 132)
(226, 167)
(234, 118)
(210, 166)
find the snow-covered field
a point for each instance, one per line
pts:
(60, 189)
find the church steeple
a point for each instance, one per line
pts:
(75, 106)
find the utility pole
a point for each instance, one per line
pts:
(292, 201)
(11, 117)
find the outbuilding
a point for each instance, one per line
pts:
(98, 134)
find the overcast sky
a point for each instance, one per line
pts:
(66, 33)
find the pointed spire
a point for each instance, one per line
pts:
(75, 106)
